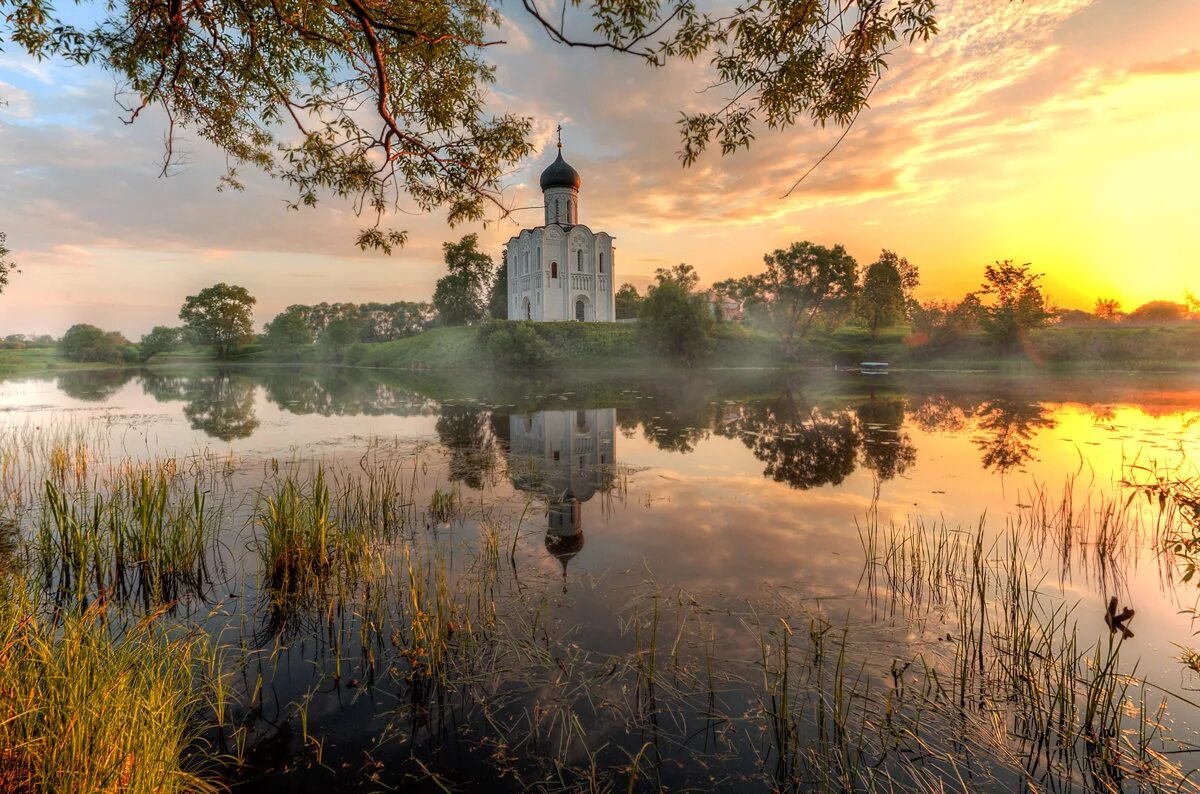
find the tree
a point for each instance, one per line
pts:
(910, 278)
(87, 343)
(682, 274)
(161, 339)
(498, 297)
(338, 335)
(460, 296)
(1107, 309)
(674, 319)
(287, 332)
(222, 316)
(6, 266)
(940, 325)
(1159, 312)
(1017, 304)
(627, 302)
(881, 299)
(373, 102)
(800, 283)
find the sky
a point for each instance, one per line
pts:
(1063, 133)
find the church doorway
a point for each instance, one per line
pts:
(526, 312)
(580, 308)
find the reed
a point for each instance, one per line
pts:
(298, 541)
(82, 710)
(148, 536)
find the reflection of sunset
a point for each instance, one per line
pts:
(713, 509)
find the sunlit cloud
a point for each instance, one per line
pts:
(1011, 134)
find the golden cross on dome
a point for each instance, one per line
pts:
(560, 137)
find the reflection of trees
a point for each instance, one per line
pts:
(338, 392)
(466, 432)
(221, 405)
(1005, 429)
(805, 447)
(886, 448)
(938, 413)
(1003, 426)
(93, 385)
(675, 421)
(675, 432)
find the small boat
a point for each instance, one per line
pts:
(873, 368)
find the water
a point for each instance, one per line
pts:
(707, 505)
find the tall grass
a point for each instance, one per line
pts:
(970, 671)
(146, 536)
(82, 710)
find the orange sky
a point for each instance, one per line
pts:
(1062, 133)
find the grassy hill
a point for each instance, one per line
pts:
(567, 345)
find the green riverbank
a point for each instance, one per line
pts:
(604, 346)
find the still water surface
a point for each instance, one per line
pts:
(731, 489)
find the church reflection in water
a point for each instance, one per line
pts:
(565, 457)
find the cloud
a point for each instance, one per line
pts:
(946, 132)
(1184, 62)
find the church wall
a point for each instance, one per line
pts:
(583, 262)
(562, 205)
(562, 271)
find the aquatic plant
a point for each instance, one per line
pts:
(299, 543)
(84, 710)
(146, 535)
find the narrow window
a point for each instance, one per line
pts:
(602, 263)
(556, 454)
(553, 270)
(579, 259)
(581, 420)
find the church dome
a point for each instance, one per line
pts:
(560, 174)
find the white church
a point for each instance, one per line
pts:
(562, 270)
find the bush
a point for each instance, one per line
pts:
(1159, 312)
(516, 344)
(676, 321)
(89, 344)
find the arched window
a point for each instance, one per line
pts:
(553, 270)
(601, 262)
(581, 420)
(579, 310)
(579, 259)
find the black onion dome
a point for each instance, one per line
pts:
(560, 174)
